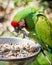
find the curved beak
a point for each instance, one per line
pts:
(18, 29)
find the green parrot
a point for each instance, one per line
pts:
(44, 30)
(37, 25)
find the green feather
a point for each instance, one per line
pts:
(43, 30)
(22, 14)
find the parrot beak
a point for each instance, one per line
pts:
(17, 29)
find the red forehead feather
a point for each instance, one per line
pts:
(15, 24)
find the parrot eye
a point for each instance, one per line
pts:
(22, 23)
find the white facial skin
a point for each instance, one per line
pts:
(22, 23)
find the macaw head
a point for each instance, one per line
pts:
(18, 25)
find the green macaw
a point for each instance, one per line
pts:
(44, 30)
(36, 23)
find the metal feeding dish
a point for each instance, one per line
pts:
(18, 60)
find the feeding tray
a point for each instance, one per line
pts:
(21, 60)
